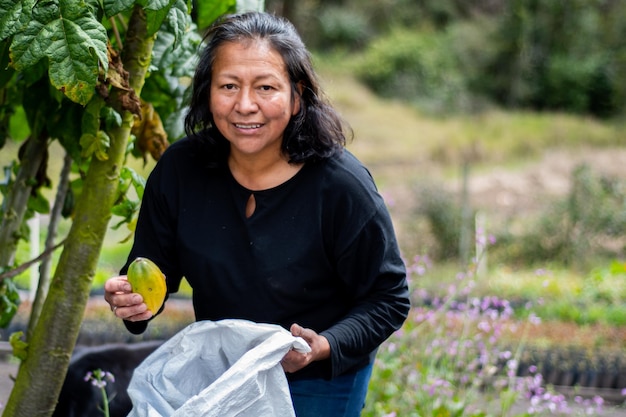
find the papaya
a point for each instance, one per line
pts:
(146, 279)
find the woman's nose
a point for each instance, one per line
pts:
(246, 102)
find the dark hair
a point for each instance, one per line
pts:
(314, 133)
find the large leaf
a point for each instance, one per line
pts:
(178, 20)
(209, 11)
(13, 15)
(174, 60)
(156, 12)
(113, 7)
(175, 50)
(73, 41)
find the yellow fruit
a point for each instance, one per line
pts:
(147, 279)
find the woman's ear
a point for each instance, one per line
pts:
(297, 100)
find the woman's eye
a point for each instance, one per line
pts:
(266, 87)
(229, 86)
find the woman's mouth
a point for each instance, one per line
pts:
(247, 126)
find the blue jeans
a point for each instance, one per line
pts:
(343, 396)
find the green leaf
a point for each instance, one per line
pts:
(175, 50)
(178, 20)
(139, 182)
(13, 15)
(90, 123)
(95, 145)
(125, 209)
(112, 118)
(20, 348)
(209, 11)
(72, 40)
(156, 12)
(113, 7)
(39, 203)
(9, 301)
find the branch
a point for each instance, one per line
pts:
(14, 272)
(116, 32)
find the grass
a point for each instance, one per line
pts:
(389, 132)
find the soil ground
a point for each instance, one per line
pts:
(523, 189)
(507, 192)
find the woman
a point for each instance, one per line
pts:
(270, 219)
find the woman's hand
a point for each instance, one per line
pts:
(320, 349)
(124, 303)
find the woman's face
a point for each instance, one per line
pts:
(251, 98)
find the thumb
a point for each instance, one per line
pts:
(296, 330)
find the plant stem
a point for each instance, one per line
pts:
(105, 402)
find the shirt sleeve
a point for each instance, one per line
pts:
(371, 266)
(155, 233)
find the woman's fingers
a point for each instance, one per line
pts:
(124, 303)
(117, 285)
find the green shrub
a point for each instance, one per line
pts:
(585, 225)
(416, 66)
(577, 85)
(564, 56)
(341, 28)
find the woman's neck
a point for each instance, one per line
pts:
(261, 174)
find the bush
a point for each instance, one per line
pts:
(418, 67)
(564, 56)
(587, 224)
(340, 28)
(577, 85)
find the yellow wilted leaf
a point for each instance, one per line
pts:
(149, 131)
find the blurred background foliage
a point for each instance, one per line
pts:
(462, 55)
(457, 58)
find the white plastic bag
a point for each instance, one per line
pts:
(224, 368)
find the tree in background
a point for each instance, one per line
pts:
(94, 76)
(541, 55)
(552, 55)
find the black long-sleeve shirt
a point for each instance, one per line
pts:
(319, 250)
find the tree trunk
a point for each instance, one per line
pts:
(41, 374)
(46, 263)
(17, 200)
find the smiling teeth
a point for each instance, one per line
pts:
(247, 126)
